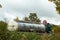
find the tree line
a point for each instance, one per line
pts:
(33, 18)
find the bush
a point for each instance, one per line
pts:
(3, 29)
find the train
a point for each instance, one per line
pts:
(25, 26)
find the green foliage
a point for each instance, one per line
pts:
(57, 3)
(16, 19)
(26, 19)
(0, 6)
(3, 29)
(32, 18)
(56, 29)
(33, 36)
(51, 0)
(14, 36)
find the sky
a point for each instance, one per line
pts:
(44, 9)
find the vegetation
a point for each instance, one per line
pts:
(16, 19)
(57, 3)
(0, 6)
(26, 19)
(33, 18)
(56, 29)
(3, 29)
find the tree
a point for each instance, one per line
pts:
(56, 29)
(0, 6)
(16, 19)
(26, 19)
(51, 0)
(3, 30)
(38, 21)
(32, 18)
(57, 3)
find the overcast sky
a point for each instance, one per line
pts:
(45, 10)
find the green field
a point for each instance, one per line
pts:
(33, 36)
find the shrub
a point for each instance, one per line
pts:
(3, 30)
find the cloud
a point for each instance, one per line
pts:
(51, 20)
(8, 15)
(22, 8)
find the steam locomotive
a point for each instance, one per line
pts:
(25, 26)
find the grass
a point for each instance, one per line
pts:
(33, 36)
